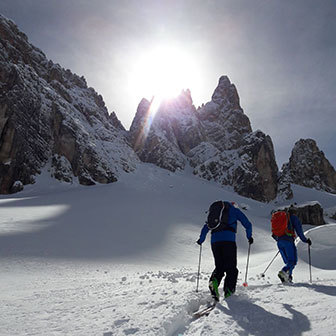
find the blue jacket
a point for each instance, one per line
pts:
(234, 215)
(297, 226)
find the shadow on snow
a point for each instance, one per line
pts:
(97, 223)
(328, 290)
(258, 321)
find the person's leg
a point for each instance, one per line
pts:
(292, 260)
(282, 249)
(217, 251)
(284, 273)
(218, 272)
(292, 257)
(230, 267)
(289, 255)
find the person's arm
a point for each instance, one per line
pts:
(245, 222)
(298, 228)
(203, 234)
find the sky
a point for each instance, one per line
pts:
(281, 55)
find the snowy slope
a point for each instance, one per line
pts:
(121, 259)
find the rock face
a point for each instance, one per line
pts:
(48, 114)
(309, 213)
(49, 117)
(309, 167)
(164, 134)
(285, 191)
(216, 140)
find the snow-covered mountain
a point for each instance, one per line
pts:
(216, 140)
(309, 167)
(50, 116)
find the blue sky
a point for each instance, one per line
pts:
(281, 55)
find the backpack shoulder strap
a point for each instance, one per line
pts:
(290, 227)
(224, 219)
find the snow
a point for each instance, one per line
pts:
(121, 259)
(324, 247)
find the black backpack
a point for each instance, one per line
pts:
(218, 217)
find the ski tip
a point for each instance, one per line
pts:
(245, 284)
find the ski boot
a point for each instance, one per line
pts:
(284, 276)
(228, 292)
(213, 286)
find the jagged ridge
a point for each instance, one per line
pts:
(48, 114)
(309, 167)
(216, 140)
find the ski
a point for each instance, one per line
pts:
(204, 311)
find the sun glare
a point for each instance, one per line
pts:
(164, 72)
(160, 74)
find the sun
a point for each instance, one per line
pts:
(163, 72)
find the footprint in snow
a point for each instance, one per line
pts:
(131, 331)
(121, 321)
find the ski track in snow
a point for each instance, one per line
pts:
(110, 300)
(272, 309)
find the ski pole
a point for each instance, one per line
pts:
(263, 274)
(199, 267)
(310, 264)
(248, 257)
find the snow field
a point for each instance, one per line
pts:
(121, 259)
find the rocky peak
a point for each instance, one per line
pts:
(16, 46)
(113, 119)
(224, 120)
(216, 140)
(50, 115)
(162, 132)
(226, 95)
(309, 167)
(140, 125)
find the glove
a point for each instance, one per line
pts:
(199, 242)
(309, 242)
(250, 240)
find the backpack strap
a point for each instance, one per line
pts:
(290, 228)
(224, 220)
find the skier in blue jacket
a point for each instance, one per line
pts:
(224, 249)
(287, 248)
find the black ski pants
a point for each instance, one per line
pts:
(225, 255)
